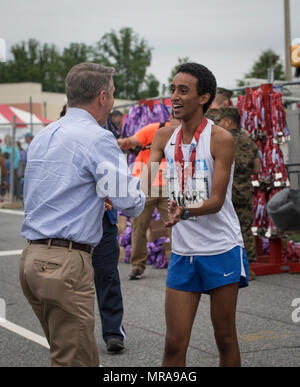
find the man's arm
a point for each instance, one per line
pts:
(128, 143)
(143, 137)
(114, 179)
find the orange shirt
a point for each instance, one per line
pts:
(145, 137)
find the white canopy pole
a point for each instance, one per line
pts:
(12, 161)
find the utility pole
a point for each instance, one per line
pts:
(30, 109)
(12, 184)
(287, 34)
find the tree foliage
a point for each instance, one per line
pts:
(266, 60)
(33, 62)
(175, 68)
(131, 56)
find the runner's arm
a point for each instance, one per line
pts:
(223, 154)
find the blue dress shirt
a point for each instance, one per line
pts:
(72, 165)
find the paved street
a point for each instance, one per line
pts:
(267, 334)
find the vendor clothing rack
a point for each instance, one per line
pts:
(273, 263)
(276, 261)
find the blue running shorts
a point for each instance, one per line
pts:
(201, 273)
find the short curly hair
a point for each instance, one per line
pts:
(206, 80)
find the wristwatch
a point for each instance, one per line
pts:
(186, 213)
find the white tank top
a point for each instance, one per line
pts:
(208, 234)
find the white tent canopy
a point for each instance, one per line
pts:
(25, 122)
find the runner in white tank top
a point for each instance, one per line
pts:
(198, 236)
(207, 246)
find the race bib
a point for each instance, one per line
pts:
(195, 188)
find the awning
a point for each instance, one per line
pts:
(23, 118)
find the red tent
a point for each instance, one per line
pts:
(23, 118)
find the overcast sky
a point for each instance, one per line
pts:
(227, 36)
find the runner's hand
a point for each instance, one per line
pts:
(175, 213)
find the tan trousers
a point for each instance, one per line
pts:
(140, 225)
(59, 285)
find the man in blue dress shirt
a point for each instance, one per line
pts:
(72, 166)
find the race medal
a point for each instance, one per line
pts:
(174, 191)
(200, 181)
(190, 178)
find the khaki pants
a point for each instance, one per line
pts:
(59, 285)
(140, 225)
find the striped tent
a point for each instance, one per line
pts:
(23, 121)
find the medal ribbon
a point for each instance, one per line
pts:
(179, 155)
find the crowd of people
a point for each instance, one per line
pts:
(201, 185)
(18, 168)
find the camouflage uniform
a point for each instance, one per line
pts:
(246, 152)
(213, 114)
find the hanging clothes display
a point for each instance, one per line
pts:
(264, 118)
(140, 116)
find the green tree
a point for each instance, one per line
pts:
(33, 62)
(22, 66)
(150, 87)
(76, 53)
(50, 69)
(131, 56)
(175, 68)
(260, 68)
(44, 63)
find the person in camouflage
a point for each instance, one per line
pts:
(222, 99)
(247, 163)
(212, 114)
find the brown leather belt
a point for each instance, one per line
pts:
(63, 243)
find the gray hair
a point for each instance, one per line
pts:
(85, 81)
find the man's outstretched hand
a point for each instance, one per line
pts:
(175, 213)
